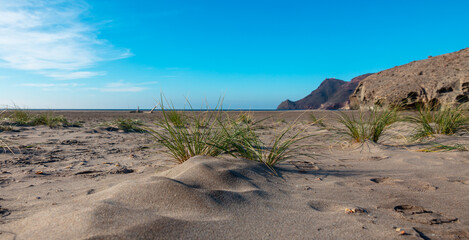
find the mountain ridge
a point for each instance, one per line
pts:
(332, 93)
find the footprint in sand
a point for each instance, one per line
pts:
(411, 185)
(322, 206)
(366, 158)
(457, 180)
(421, 215)
(4, 212)
(427, 233)
(304, 166)
(422, 187)
(386, 180)
(374, 158)
(7, 235)
(465, 182)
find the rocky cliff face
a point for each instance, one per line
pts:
(331, 94)
(442, 79)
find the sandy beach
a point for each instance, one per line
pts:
(93, 182)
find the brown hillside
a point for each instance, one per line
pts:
(442, 79)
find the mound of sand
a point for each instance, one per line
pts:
(196, 195)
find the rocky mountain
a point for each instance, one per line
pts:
(331, 94)
(442, 79)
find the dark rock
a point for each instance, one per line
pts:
(331, 94)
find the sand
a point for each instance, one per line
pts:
(91, 183)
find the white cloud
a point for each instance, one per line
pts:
(73, 75)
(122, 86)
(48, 85)
(122, 89)
(52, 86)
(116, 84)
(119, 86)
(49, 36)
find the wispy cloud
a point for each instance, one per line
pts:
(52, 86)
(122, 89)
(46, 85)
(122, 86)
(50, 37)
(73, 75)
(119, 86)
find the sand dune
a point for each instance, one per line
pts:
(198, 198)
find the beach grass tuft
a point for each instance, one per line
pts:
(190, 133)
(245, 143)
(213, 132)
(370, 125)
(3, 145)
(438, 147)
(129, 125)
(443, 119)
(317, 121)
(20, 117)
(176, 118)
(245, 117)
(49, 120)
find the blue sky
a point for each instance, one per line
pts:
(123, 54)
